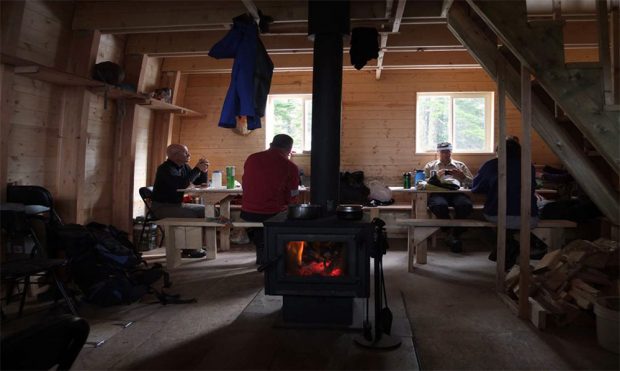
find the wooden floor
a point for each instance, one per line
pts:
(446, 313)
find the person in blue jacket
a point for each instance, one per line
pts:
(486, 181)
(251, 74)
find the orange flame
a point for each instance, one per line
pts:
(297, 249)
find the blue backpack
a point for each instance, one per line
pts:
(106, 267)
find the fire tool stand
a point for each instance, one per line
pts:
(380, 340)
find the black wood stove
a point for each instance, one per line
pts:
(318, 266)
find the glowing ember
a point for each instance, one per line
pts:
(314, 259)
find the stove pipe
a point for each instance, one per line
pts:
(328, 22)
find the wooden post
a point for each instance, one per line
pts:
(162, 126)
(125, 147)
(501, 191)
(11, 17)
(526, 190)
(603, 49)
(124, 165)
(615, 55)
(160, 140)
(135, 65)
(71, 166)
(6, 81)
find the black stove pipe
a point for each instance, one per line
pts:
(328, 22)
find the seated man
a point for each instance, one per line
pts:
(270, 182)
(486, 181)
(173, 174)
(450, 171)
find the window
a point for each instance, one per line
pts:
(463, 119)
(292, 115)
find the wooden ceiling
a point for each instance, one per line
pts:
(413, 33)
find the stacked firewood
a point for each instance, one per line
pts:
(568, 281)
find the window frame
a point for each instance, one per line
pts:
(269, 117)
(489, 97)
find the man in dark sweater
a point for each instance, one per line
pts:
(173, 174)
(486, 181)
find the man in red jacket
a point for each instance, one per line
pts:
(270, 183)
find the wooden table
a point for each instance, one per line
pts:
(211, 197)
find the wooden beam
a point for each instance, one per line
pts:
(577, 92)
(135, 65)
(6, 111)
(251, 7)
(615, 55)
(162, 126)
(526, 193)
(11, 16)
(445, 7)
(382, 46)
(577, 163)
(172, 16)
(303, 62)
(73, 130)
(384, 37)
(199, 43)
(501, 158)
(124, 165)
(603, 49)
(160, 140)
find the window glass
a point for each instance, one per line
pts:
(292, 115)
(463, 119)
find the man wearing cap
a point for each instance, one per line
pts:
(270, 182)
(456, 173)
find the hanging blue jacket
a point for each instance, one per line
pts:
(251, 74)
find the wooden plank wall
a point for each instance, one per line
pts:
(33, 150)
(378, 120)
(34, 123)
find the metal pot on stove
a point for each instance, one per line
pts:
(303, 211)
(350, 212)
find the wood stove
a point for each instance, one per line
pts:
(318, 266)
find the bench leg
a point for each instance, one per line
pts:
(410, 249)
(374, 213)
(225, 232)
(420, 240)
(173, 256)
(211, 242)
(210, 234)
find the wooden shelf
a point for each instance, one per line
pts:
(37, 71)
(158, 105)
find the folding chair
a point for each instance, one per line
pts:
(146, 193)
(19, 268)
(37, 200)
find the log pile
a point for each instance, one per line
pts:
(568, 281)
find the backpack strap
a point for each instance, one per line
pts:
(165, 299)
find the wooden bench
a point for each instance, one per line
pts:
(551, 232)
(173, 253)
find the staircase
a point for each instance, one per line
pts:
(577, 91)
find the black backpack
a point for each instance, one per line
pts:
(106, 268)
(352, 188)
(109, 72)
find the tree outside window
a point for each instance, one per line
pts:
(464, 119)
(292, 115)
